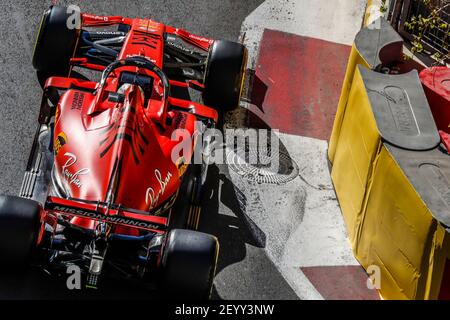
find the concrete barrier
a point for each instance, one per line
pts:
(400, 232)
(373, 48)
(393, 184)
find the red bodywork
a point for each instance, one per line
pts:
(94, 137)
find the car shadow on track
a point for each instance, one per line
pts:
(233, 229)
(244, 270)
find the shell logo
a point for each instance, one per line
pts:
(60, 141)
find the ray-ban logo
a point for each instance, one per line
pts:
(71, 176)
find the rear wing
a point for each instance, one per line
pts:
(100, 211)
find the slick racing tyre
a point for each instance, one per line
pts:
(224, 75)
(188, 264)
(56, 41)
(19, 230)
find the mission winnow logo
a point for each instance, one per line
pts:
(102, 217)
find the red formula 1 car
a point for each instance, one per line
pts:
(103, 190)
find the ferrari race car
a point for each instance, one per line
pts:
(101, 190)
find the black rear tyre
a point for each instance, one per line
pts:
(19, 230)
(187, 209)
(55, 42)
(188, 264)
(224, 75)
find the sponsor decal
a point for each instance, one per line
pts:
(152, 197)
(77, 102)
(107, 218)
(60, 141)
(199, 38)
(73, 177)
(131, 55)
(181, 166)
(93, 17)
(179, 46)
(108, 33)
(148, 25)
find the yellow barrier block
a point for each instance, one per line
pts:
(396, 232)
(393, 183)
(358, 146)
(439, 255)
(354, 60)
(375, 45)
(399, 231)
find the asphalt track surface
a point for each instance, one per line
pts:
(244, 270)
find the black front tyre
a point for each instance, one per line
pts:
(19, 230)
(224, 75)
(188, 264)
(56, 41)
